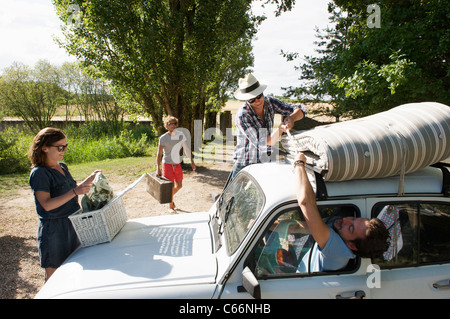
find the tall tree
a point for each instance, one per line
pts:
(365, 67)
(165, 54)
(31, 94)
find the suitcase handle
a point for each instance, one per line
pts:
(162, 178)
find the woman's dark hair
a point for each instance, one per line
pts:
(47, 136)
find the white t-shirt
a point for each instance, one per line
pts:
(172, 146)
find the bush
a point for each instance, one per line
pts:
(94, 130)
(14, 146)
(84, 146)
(131, 146)
(106, 147)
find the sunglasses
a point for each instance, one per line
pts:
(255, 98)
(172, 124)
(61, 148)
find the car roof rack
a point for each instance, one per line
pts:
(321, 187)
(445, 177)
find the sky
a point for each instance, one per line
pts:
(28, 28)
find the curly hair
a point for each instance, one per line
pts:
(45, 137)
(376, 241)
(168, 119)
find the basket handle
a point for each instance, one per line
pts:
(130, 187)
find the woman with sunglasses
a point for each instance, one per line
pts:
(254, 123)
(56, 197)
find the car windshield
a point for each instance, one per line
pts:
(239, 206)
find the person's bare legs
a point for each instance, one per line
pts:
(177, 185)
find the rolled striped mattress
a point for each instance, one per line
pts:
(403, 139)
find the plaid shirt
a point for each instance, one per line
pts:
(252, 131)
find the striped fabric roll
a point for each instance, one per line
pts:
(403, 139)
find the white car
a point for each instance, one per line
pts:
(245, 246)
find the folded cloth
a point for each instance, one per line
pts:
(401, 140)
(99, 194)
(390, 216)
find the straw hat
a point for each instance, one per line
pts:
(249, 87)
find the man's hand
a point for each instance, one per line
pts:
(295, 116)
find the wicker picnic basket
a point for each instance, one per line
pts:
(102, 225)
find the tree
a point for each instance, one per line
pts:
(34, 95)
(363, 69)
(165, 54)
(92, 96)
(31, 94)
(176, 57)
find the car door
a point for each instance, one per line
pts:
(275, 255)
(417, 263)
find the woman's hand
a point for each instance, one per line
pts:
(85, 186)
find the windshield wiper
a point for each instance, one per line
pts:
(228, 208)
(219, 206)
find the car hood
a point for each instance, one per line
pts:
(152, 252)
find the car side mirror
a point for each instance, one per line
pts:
(250, 283)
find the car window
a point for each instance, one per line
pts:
(434, 233)
(419, 233)
(286, 244)
(239, 207)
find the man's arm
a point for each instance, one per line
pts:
(188, 153)
(290, 120)
(273, 139)
(159, 159)
(291, 112)
(307, 202)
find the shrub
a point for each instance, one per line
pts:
(83, 146)
(132, 146)
(14, 146)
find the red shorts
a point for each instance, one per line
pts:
(172, 172)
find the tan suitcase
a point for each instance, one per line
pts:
(159, 187)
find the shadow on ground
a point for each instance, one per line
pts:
(18, 251)
(211, 176)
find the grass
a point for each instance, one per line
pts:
(9, 183)
(131, 167)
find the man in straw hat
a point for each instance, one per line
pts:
(254, 123)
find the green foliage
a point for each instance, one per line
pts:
(98, 146)
(131, 146)
(373, 86)
(14, 146)
(89, 96)
(31, 94)
(35, 94)
(84, 146)
(363, 70)
(172, 57)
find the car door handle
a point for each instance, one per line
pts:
(444, 284)
(359, 294)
